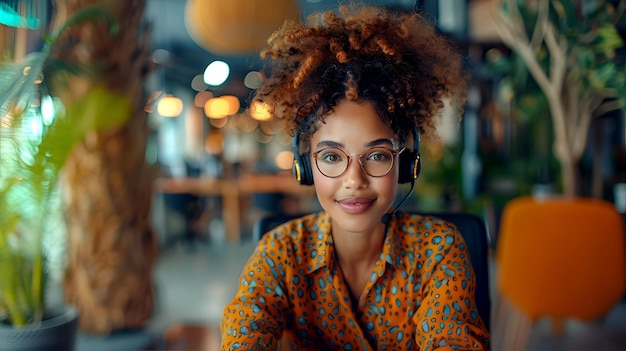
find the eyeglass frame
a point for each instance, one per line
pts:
(394, 154)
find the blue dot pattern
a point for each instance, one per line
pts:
(420, 295)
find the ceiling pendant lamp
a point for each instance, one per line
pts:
(236, 26)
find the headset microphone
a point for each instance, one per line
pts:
(386, 218)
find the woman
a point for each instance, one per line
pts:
(355, 89)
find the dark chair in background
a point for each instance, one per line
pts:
(190, 208)
(471, 227)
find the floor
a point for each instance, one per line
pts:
(194, 283)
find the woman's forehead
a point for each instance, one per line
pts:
(352, 123)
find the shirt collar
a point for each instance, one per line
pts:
(392, 252)
(320, 251)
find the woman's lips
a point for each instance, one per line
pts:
(355, 205)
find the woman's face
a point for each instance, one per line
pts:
(355, 200)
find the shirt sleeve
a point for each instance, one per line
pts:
(255, 318)
(447, 317)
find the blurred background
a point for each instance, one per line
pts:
(218, 165)
(503, 147)
(205, 62)
(198, 140)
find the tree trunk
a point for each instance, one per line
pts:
(106, 182)
(570, 177)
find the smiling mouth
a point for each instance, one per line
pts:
(356, 205)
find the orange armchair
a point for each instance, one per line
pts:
(560, 258)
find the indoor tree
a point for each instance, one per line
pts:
(569, 48)
(106, 182)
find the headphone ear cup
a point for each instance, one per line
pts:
(417, 167)
(302, 169)
(409, 167)
(301, 165)
(410, 163)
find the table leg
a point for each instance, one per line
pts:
(231, 212)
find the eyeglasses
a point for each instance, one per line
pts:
(375, 162)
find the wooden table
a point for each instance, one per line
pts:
(231, 191)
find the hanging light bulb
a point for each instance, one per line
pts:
(221, 107)
(260, 111)
(284, 160)
(233, 103)
(216, 73)
(216, 108)
(214, 143)
(170, 106)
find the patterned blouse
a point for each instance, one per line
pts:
(420, 295)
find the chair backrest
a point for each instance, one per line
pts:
(561, 257)
(471, 227)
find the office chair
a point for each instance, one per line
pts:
(470, 226)
(557, 258)
(190, 208)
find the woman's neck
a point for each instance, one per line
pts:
(357, 254)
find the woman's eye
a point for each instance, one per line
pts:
(378, 156)
(330, 157)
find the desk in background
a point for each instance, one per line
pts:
(231, 191)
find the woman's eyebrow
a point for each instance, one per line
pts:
(381, 141)
(328, 143)
(377, 142)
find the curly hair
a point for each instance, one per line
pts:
(391, 58)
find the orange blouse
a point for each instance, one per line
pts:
(420, 295)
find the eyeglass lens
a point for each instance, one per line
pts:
(333, 162)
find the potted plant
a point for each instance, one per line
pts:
(37, 135)
(564, 59)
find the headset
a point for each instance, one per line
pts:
(409, 162)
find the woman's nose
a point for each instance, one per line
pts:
(355, 176)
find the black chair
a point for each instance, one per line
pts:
(471, 227)
(190, 207)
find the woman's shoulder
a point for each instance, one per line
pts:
(421, 221)
(426, 233)
(426, 229)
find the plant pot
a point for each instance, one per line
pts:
(56, 333)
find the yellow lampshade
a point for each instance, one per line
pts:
(236, 26)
